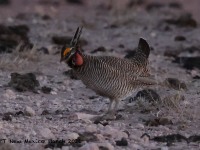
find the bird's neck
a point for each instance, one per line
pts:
(77, 60)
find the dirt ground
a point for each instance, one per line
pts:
(55, 106)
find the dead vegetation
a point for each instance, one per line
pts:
(18, 60)
(173, 106)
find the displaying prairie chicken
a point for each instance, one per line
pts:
(115, 78)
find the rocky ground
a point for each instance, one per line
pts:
(42, 102)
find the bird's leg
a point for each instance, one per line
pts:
(110, 106)
(110, 115)
(115, 107)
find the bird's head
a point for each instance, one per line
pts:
(71, 54)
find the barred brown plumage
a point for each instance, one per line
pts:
(109, 76)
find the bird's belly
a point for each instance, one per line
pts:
(105, 86)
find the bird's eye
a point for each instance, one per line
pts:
(66, 51)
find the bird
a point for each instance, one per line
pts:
(111, 77)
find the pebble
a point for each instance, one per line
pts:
(6, 146)
(136, 147)
(122, 142)
(145, 139)
(53, 92)
(106, 145)
(139, 126)
(89, 146)
(83, 116)
(9, 94)
(100, 137)
(135, 136)
(65, 148)
(46, 133)
(29, 111)
(91, 128)
(72, 136)
(164, 148)
(116, 134)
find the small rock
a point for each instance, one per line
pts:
(79, 2)
(91, 128)
(170, 138)
(114, 133)
(158, 121)
(43, 50)
(136, 147)
(19, 113)
(6, 146)
(46, 133)
(4, 2)
(29, 111)
(196, 77)
(65, 148)
(175, 5)
(53, 92)
(48, 147)
(164, 148)
(135, 136)
(105, 146)
(72, 136)
(145, 137)
(185, 20)
(100, 49)
(133, 3)
(9, 94)
(171, 52)
(188, 62)
(154, 6)
(45, 112)
(100, 137)
(65, 40)
(111, 26)
(179, 38)
(194, 138)
(7, 116)
(121, 46)
(24, 82)
(153, 34)
(82, 116)
(89, 146)
(122, 142)
(46, 89)
(140, 126)
(46, 17)
(12, 36)
(87, 136)
(93, 97)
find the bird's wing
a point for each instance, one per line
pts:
(120, 64)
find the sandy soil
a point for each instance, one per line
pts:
(65, 111)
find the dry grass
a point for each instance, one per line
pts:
(170, 106)
(17, 60)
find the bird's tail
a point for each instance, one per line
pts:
(143, 47)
